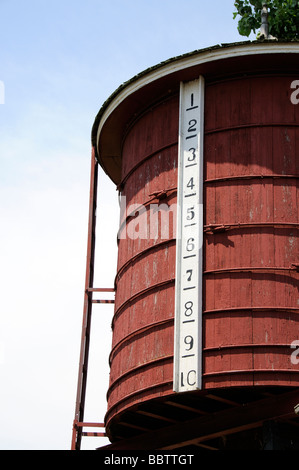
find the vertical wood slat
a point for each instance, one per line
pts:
(263, 144)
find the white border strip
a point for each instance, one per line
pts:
(188, 287)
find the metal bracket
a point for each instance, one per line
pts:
(214, 228)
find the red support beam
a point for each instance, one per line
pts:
(87, 308)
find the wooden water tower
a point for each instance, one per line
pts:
(207, 312)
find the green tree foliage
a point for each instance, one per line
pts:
(283, 17)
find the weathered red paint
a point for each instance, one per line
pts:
(250, 300)
(142, 348)
(251, 292)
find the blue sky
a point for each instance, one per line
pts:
(59, 62)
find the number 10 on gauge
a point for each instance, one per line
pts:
(188, 288)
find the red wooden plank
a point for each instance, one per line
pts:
(250, 136)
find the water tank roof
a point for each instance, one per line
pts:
(162, 80)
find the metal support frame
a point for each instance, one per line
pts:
(201, 429)
(79, 423)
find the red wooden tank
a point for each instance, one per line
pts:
(250, 301)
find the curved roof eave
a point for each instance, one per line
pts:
(172, 65)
